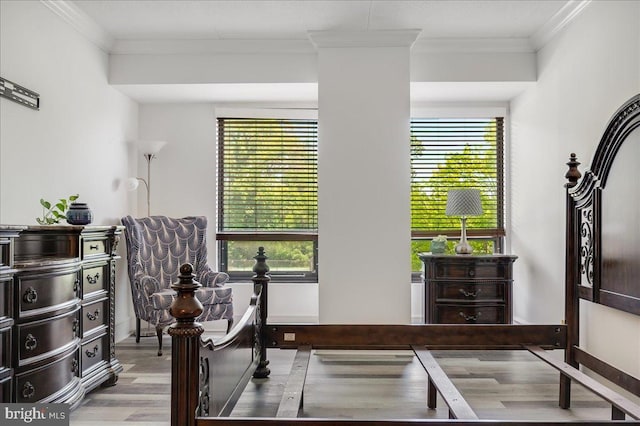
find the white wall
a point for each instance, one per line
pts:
(584, 75)
(76, 143)
(183, 176)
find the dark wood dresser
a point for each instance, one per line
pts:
(468, 289)
(57, 312)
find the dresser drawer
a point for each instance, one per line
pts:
(6, 298)
(5, 388)
(92, 247)
(39, 291)
(476, 314)
(472, 270)
(94, 315)
(5, 348)
(470, 291)
(40, 337)
(40, 383)
(93, 352)
(6, 259)
(94, 278)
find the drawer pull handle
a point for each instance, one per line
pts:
(93, 316)
(470, 318)
(93, 247)
(74, 366)
(470, 293)
(91, 354)
(28, 390)
(74, 327)
(30, 342)
(93, 279)
(30, 295)
(76, 285)
(472, 272)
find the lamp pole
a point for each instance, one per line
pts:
(149, 157)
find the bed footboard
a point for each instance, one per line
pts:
(208, 376)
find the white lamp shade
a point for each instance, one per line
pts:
(150, 147)
(132, 184)
(464, 202)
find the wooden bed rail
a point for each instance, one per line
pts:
(440, 382)
(620, 406)
(441, 336)
(244, 421)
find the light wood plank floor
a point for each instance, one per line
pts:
(497, 385)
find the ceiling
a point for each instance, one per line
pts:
(285, 21)
(292, 19)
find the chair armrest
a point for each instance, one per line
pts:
(146, 284)
(210, 278)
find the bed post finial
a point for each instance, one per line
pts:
(573, 174)
(260, 286)
(185, 350)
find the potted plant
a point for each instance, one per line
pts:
(439, 244)
(54, 213)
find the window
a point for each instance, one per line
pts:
(268, 196)
(456, 153)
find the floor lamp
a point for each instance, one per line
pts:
(464, 202)
(149, 149)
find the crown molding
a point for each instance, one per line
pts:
(210, 46)
(383, 38)
(560, 20)
(81, 22)
(473, 45)
(86, 26)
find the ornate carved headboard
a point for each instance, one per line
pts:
(603, 217)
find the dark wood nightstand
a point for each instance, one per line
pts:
(468, 289)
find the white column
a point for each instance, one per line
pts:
(364, 176)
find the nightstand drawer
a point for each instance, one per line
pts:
(470, 291)
(473, 270)
(476, 314)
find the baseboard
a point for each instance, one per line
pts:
(283, 319)
(363, 356)
(123, 329)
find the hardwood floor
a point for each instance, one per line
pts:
(497, 385)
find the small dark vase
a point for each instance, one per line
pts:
(79, 214)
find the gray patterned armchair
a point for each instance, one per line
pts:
(156, 247)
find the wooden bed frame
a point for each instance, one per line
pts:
(209, 376)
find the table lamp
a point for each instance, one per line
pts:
(464, 202)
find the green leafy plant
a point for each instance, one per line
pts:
(54, 213)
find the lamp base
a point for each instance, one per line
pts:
(464, 247)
